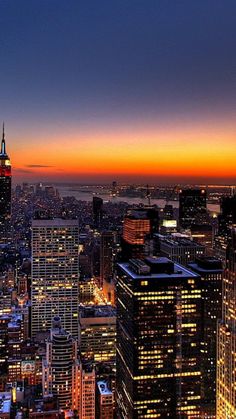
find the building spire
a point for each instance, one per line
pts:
(3, 144)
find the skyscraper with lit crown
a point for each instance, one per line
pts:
(5, 192)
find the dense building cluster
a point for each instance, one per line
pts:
(111, 310)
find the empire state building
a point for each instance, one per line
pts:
(5, 192)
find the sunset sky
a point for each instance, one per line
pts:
(119, 89)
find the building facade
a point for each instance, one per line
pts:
(158, 340)
(61, 368)
(211, 273)
(55, 274)
(226, 340)
(192, 207)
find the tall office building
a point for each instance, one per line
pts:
(87, 392)
(140, 223)
(97, 334)
(158, 340)
(226, 340)
(61, 367)
(211, 273)
(179, 248)
(106, 256)
(192, 207)
(104, 401)
(227, 216)
(55, 274)
(226, 221)
(5, 193)
(97, 211)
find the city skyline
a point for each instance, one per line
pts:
(135, 92)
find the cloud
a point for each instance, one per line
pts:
(37, 165)
(21, 170)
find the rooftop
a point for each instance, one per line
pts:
(97, 311)
(103, 388)
(178, 241)
(160, 268)
(56, 222)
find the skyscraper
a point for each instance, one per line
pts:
(55, 274)
(226, 340)
(211, 272)
(61, 367)
(106, 256)
(227, 216)
(97, 211)
(107, 247)
(140, 223)
(192, 207)
(158, 340)
(5, 192)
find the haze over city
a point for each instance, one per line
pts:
(133, 91)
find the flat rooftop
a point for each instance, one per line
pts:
(97, 311)
(177, 271)
(179, 241)
(56, 222)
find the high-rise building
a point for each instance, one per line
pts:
(106, 256)
(211, 273)
(227, 216)
(61, 368)
(104, 401)
(226, 340)
(97, 334)
(107, 247)
(140, 223)
(87, 392)
(192, 207)
(97, 211)
(178, 248)
(226, 221)
(55, 274)
(5, 193)
(158, 340)
(203, 234)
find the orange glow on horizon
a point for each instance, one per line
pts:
(200, 151)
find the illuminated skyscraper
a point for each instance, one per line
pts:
(139, 224)
(226, 340)
(211, 272)
(192, 207)
(61, 368)
(97, 334)
(55, 274)
(5, 192)
(158, 340)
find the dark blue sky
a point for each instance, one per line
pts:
(71, 63)
(85, 58)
